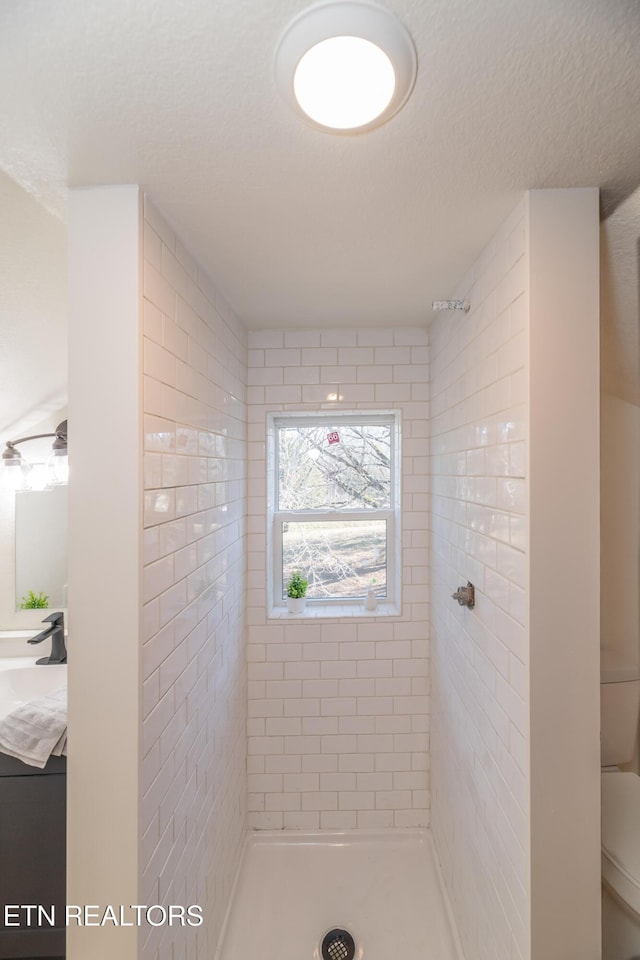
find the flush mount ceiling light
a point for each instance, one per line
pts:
(346, 66)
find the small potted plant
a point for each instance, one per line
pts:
(34, 601)
(296, 592)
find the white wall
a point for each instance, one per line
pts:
(105, 529)
(515, 509)
(480, 658)
(157, 734)
(620, 430)
(564, 488)
(34, 308)
(338, 709)
(620, 517)
(193, 658)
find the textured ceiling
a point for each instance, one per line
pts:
(300, 227)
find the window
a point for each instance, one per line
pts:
(334, 503)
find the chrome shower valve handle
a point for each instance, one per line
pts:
(466, 596)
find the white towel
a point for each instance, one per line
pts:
(35, 730)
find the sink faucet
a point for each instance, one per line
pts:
(56, 632)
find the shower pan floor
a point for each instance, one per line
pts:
(384, 889)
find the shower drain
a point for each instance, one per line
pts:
(338, 945)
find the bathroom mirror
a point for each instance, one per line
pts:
(33, 386)
(41, 521)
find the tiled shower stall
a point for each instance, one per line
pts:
(433, 717)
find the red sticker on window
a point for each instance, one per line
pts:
(333, 437)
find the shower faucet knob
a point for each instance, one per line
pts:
(466, 596)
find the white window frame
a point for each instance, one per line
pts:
(275, 518)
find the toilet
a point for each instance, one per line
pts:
(620, 713)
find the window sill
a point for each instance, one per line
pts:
(334, 611)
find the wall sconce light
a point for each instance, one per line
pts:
(17, 474)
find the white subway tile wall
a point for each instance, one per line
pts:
(480, 668)
(194, 667)
(338, 709)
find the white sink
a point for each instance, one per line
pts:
(22, 680)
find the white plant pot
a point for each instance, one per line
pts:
(296, 604)
(371, 601)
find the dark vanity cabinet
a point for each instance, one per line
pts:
(32, 859)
